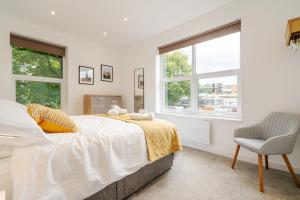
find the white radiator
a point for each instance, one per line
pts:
(193, 130)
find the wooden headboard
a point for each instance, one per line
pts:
(100, 104)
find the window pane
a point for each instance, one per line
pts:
(178, 62)
(178, 95)
(218, 94)
(32, 63)
(44, 93)
(219, 54)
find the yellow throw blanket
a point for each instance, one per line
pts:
(161, 136)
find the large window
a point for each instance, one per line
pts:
(202, 76)
(37, 72)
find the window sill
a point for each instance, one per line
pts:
(201, 116)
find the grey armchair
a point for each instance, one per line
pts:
(275, 135)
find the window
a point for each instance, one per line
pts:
(178, 95)
(218, 94)
(37, 72)
(200, 75)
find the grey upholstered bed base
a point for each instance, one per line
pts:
(127, 186)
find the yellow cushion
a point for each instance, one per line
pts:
(51, 120)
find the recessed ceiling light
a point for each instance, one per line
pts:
(104, 33)
(125, 19)
(52, 12)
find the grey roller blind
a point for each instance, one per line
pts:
(36, 45)
(202, 37)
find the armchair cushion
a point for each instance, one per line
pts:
(254, 145)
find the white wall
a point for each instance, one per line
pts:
(270, 77)
(79, 52)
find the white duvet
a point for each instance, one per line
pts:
(77, 165)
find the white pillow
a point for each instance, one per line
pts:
(17, 127)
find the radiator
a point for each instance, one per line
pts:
(193, 130)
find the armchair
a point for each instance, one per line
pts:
(275, 135)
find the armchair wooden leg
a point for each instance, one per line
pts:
(285, 158)
(235, 156)
(266, 162)
(260, 173)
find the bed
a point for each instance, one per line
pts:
(115, 191)
(107, 159)
(5, 177)
(125, 187)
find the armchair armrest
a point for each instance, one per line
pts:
(252, 132)
(277, 145)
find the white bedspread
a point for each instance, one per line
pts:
(77, 165)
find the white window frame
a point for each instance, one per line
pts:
(194, 90)
(62, 81)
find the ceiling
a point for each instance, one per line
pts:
(89, 19)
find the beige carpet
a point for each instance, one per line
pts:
(204, 176)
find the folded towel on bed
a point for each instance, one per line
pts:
(116, 110)
(113, 112)
(143, 111)
(120, 110)
(144, 116)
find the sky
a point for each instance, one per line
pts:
(219, 54)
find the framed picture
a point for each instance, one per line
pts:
(86, 75)
(107, 73)
(141, 82)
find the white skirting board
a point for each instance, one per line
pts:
(192, 130)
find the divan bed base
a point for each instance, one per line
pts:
(128, 185)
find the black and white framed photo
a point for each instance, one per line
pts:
(141, 82)
(86, 75)
(107, 73)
